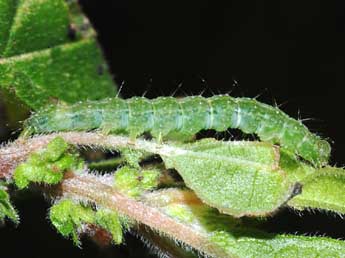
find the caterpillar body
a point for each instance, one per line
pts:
(167, 117)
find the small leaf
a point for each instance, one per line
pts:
(132, 157)
(55, 149)
(48, 165)
(149, 179)
(41, 62)
(133, 182)
(26, 173)
(6, 208)
(110, 221)
(126, 180)
(68, 217)
(238, 178)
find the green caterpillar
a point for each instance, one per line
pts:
(172, 118)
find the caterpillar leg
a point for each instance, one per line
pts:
(26, 133)
(106, 130)
(159, 138)
(179, 136)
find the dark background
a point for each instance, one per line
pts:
(288, 52)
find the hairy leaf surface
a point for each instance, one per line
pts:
(238, 178)
(42, 59)
(6, 208)
(323, 190)
(228, 237)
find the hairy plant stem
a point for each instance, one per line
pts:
(14, 153)
(87, 187)
(148, 210)
(91, 188)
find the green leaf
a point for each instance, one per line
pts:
(325, 189)
(133, 182)
(47, 165)
(238, 178)
(55, 149)
(110, 221)
(67, 217)
(6, 17)
(322, 188)
(31, 28)
(41, 63)
(132, 157)
(248, 243)
(6, 208)
(223, 236)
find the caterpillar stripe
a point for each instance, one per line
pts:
(165, 117)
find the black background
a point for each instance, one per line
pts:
(288, 52)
